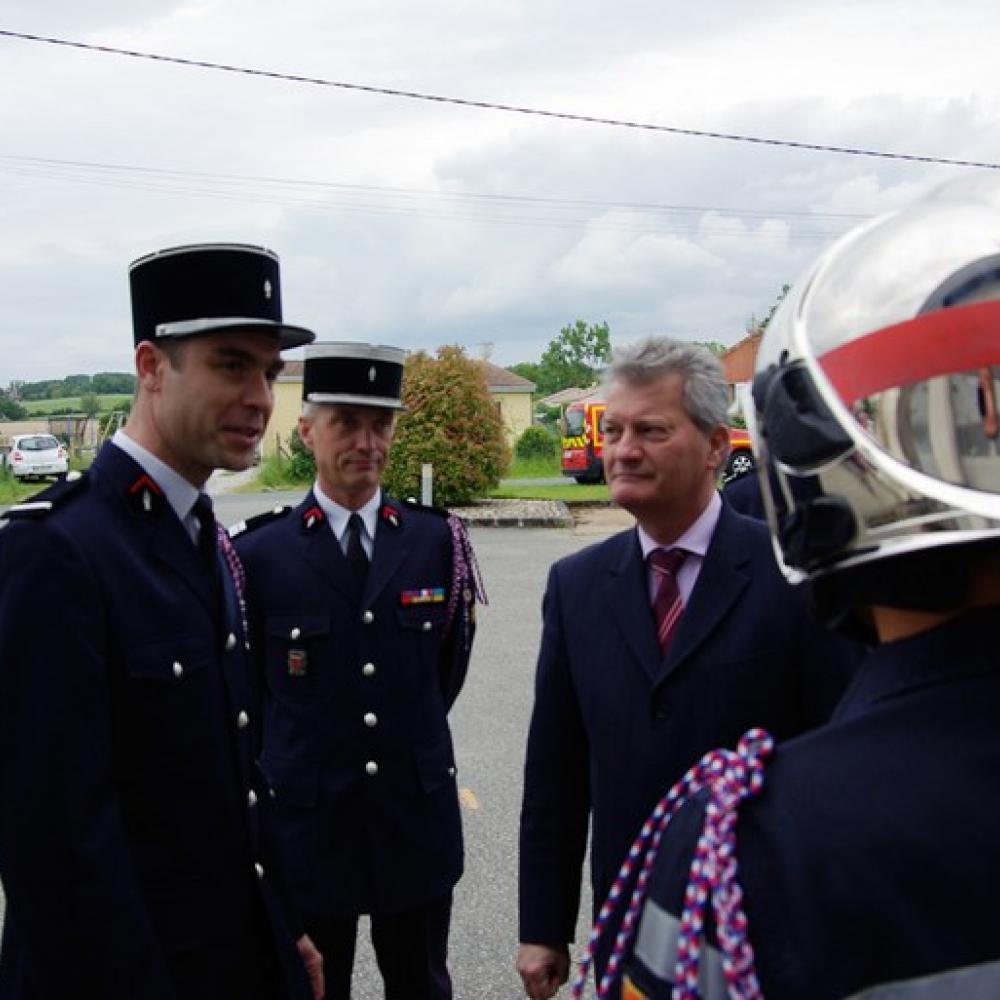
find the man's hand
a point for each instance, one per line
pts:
(313, 961)
(543, 968)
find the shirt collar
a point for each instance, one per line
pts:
(180, 494)
(696, 538)
(337, 516)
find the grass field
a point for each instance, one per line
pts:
(39, 407)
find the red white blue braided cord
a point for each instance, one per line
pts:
(236, 571)
(729, 777)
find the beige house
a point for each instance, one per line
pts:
(510, 392)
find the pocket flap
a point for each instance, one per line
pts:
(294, 627)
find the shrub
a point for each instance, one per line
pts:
(536, 442)
(301, 464)
(450, 421)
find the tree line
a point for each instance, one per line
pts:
(101, 384)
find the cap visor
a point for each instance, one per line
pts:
(288, 336)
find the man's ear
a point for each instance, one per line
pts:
(718, 441)
(305, 431)
(149, 362)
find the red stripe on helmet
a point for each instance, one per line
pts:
(943, 342)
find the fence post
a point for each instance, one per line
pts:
(426, 484)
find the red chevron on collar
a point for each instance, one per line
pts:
(145, 483)
(313, 516)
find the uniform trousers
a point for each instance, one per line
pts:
(411, 949)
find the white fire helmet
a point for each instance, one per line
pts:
(876, 414)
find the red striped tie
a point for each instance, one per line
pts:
(667, 605)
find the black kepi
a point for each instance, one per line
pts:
(356, 373)
(209, 288)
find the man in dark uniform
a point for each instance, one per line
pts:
(364, 608)
(133, 820)
(632, 688)
(866, 852)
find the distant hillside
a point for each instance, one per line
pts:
(101, 384)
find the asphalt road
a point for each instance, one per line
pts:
(490, 724)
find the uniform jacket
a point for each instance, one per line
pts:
(359, 684)
(614, 725)
(132, 848)
(869, 860)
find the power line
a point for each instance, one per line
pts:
(490, 106)
(55, 166)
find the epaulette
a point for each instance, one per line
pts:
(55, 496)
(259, 520)
(416, 505)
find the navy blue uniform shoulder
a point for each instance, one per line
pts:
(259, 520)
(50, 499)
(411, 504)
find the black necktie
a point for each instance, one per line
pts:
(207, 540)
(356, 555)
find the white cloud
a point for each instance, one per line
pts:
(714, 230)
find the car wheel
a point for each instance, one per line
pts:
(739, 464)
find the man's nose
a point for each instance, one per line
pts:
(259, 392)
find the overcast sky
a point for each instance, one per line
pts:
(419, 224)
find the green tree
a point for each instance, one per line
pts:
(717, 348)
(574, 357)
(11, 409)
(113, 383)
(753, 325)
(450, 421)
(526, 369)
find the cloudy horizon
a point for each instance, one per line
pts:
(419, 223)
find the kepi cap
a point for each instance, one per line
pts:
(209, 288)
(356, 373)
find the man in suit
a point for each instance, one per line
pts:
(364, 609)
(133, 830)
(647, 662)
(864, 859)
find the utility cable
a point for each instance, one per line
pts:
(509, 108)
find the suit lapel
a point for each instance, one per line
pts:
(392, 545)
(723, 578)
(166, 541)
(627, 593)
(320, 548)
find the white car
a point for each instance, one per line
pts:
(36, 455)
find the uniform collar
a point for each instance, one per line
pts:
(179, 493)
(962, 646)
(337, 516)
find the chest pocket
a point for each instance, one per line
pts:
(168, 701)
(299, 656)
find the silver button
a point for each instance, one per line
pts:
(259, 869)
(272, 793)
(230, 642)
(295, 633)
(178, 669)
(371, 767)
(427, 626)
(368, 669)
(371, 719)
(242, 720)
(451, 772)
(368, 617)
(251, 798)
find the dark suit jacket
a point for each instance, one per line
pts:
(356, 739)
(128, 838)
(614, 727)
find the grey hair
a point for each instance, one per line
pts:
(309, 410)
(706, 398)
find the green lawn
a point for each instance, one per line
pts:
(37, 407)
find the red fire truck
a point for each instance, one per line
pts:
(583, 443)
